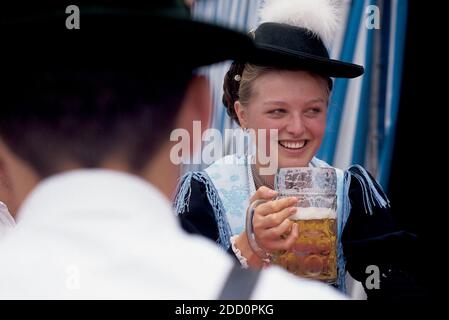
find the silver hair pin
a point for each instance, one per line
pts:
(237, 77)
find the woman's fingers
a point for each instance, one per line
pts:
(263, 193)
(275, 206)
(279, 237)
(277, 244)
(291, 239)
(273, 220)
(281, 230)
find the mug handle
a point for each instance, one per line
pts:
(261, 253)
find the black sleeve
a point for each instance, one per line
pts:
(373, 240)
(199, 217)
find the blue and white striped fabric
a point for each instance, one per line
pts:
(363, 111)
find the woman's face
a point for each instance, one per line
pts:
(294, 103)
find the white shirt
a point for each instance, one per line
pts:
(100, 234)
(6, 220)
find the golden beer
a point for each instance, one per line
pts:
(314, 254)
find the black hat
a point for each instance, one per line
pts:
(295, 34)
(284, 45)
(150, 34)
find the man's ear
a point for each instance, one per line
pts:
(196, 106)
(6, 192)
(18, 179)
(241, 112)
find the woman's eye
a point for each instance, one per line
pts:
(313, 111)
(277, 111)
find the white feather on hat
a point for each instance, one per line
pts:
(321, 17)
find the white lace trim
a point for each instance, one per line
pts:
(243, 261)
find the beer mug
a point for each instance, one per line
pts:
(314, 254)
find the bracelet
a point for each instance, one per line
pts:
(243, 261)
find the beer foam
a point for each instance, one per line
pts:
(313, 213)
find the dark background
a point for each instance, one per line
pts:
(418, 186)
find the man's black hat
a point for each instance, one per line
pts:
(144, 34)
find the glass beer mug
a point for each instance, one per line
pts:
(314, 254)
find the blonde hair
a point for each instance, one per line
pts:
(239, 84)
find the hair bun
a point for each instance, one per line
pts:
(231, 87)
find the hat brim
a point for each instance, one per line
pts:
(121, 41)
(284, 58)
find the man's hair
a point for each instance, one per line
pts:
(83, 117)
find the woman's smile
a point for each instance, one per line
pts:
(292, 148)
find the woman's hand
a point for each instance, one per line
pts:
(272, 228)
(270, 222)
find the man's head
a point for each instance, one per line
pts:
(83, 118)
(65, 112)
(55, 121)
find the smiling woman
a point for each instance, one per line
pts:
(286, 87)
(292, 102)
